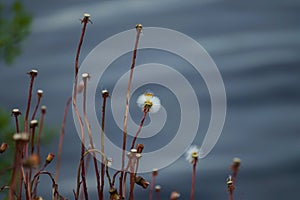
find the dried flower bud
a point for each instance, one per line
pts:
(142, 182)
(86, 15)
(40, 93)
(154, 172)
(85, 76)
(49, 158)
(157, 188)
(114, 194)
(236, 162)
(33, 123)
(138, 27)
(33, 72)
(32, 162)
(140, 148)
(174, 195)
(109, 162)
(16, 112)
(23, 137)
(3, 147)
(105, 93)
(43, 109)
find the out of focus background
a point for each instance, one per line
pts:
(255, 45)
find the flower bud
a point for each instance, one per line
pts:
(49, 158)
(16, 112)
(142, 182)
(3, 147)
(40, 93)
(43, 109)
(140, 148)
(23, 137)
(33, 123)
(138, 27)
(32, 162)
(105, 93)
(174, 195)
(154, 172)
(33, 72)
(157, 188)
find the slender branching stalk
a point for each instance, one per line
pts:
(33, 73)
(84, 21)
(43, 112)
(20, 139)
(85, 76)
(105, 95)
(16, 112)
(154, 174)
(139, 30)
(61, 138)
(139, 129)
(39, 94)
(193, 179)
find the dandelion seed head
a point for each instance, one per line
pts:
(149, 101)
(193, 153)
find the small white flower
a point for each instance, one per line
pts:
(147, 100)
(192, 153)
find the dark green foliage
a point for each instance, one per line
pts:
(14, 27)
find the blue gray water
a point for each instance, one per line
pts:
(255, 45)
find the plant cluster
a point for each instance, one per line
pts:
(27, 165)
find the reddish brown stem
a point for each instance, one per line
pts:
(36, 107)
(104, 96)
(85, 21)
(152, 187)
(139, 129)
(40, 132)
(16, 169)
(91, 140)
(61, 138)
(193, 179)
(28, 102)
(139, 29)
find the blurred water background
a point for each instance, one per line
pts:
(255, 45)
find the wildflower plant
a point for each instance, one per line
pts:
(28, 165)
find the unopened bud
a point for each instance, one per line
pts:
(33, 123)
(174, 195)
(32, 162)
(140, 148)
(157, 188)
(155, 172)
(22, 137)
(3, 147)
(139, 27)
(43, 109)
(142, 182)
(105, 93)
(33, 72)
(49, 158)
(40, 93)
(16, 112)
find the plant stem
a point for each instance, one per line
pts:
(36, 107)
(61, 138)
(193, 179)
(43, 112)
(91, 140)
(16, 168)
(139, 29)
(152, 187)
(139, 129)
(28, 103)
(85, 21)
(103, 166)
